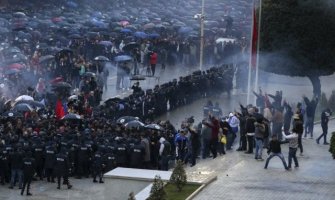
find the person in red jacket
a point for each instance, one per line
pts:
(153, 62)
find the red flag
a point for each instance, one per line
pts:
(59, 111)
(254, 40)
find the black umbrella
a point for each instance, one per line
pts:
(101, 58)
(154, 127)
(123, 58)
(61, 85)
(112, 100)
(46, 58)
(130, 46)
(22, 107)
(134, 124)
(34, 104)
(72, 116)
(64, 51)
(12, 114)
(137, 78)
(89, 74)
(126, 119)
(75, 36)
(11, 71)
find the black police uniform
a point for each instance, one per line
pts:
(38, 151)
(4, 166)
(83, 159)
(28, 173)
(61, 168)
(50, 157)
(98, 166)
(137, 155)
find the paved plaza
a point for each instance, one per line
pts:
(240, 176)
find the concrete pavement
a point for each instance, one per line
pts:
(241, 177)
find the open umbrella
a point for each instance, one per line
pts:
(140, 35)
(61, 85)
(111, 100)
(12, 114)
(46, 58)
(106, 43)
(72, 116)
(101, 58)
(134, 124)
(24, 98)
(137, 78)
(154, 127)
(75, 36)
(130, 46)
(34, 104)
(22, 107)
(125, 30)
(124, 23)
(153, 35)
(122, 58)
(126, 119)
(89, 74)
(149, 26)
(11, 71)
(17, 66)
(19, 15)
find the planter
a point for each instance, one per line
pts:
(173, 194)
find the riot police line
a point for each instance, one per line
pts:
(43, 148)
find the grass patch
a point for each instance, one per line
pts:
(173, 194)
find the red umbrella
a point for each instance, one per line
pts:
(57, 80)
(56, 19)
(124, 23)
(17, 66)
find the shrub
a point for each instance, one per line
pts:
(331, 101)
(178, 177)
(157, 190)
(131, 196)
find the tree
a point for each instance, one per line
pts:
(178, 176)
(297, 39)
(157, 190)
(331, 101)
(131, 196)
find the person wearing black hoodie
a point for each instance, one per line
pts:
(275, 150)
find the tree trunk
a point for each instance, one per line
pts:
(316, 85)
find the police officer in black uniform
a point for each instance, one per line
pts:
(109, 160)
(136, 153)
(28, 172)
(83, 160)
(50, 156)
(4, 165)
(38, 150)
(61, 168)
(98, 166)
(121, 152)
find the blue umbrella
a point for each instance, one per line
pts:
(126, 30)
(185, 29)
(106, 43)
(122, 58)
(141, 35)
(154, 35)
(12, 71)
(71, 4)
